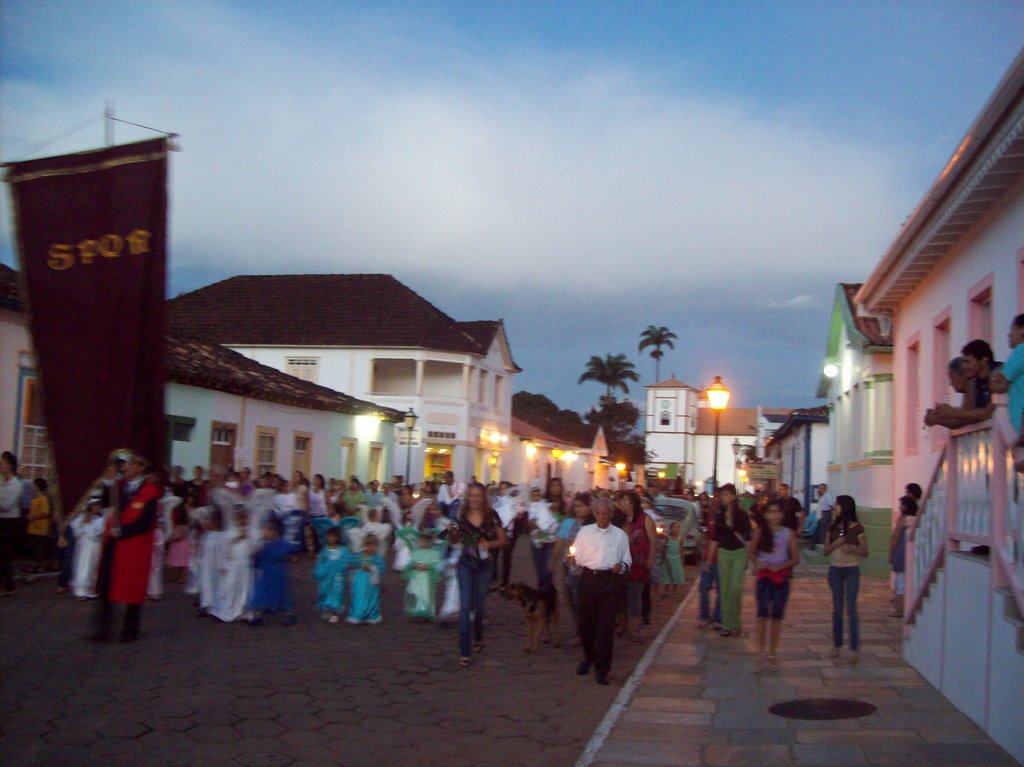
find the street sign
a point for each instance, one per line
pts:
(762, 471)
(402, 436)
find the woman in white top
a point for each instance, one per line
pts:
(846, 543)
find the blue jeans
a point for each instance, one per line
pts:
(840, 580)
(474, 576)
(542, 565)
(451, 510)
(708, 581)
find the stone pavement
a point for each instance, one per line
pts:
(699, 702)
(197, 692)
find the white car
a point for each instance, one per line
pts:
(668, 510)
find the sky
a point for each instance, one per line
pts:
(580, 170)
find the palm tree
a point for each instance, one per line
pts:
(657, 337)
(613, 372)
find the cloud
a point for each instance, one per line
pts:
(803, 301)
(516, 168)
(579, 197)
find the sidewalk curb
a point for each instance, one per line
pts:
(626, 693)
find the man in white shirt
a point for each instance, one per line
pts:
(449, 497)
(602, 555)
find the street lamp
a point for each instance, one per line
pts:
(410, 419)
(718, 398)
(736, 455)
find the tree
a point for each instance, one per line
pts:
(613, 372)
(536, 408)
(619, 420)
(657, 337)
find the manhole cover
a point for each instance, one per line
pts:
(822, 708)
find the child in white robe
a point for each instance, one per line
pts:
(161, 534)
(211, 560)
(88, 528)
(381, 530)
(406, 537)
(234, 586)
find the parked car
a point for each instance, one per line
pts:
(669, 510)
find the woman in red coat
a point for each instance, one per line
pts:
(127, 550)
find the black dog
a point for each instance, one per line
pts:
(540, 609)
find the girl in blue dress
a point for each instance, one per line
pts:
(364, 597)
(331, 566)
(270, 594)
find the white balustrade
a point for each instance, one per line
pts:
(929, 537)
(1014, 532)
(973, 482)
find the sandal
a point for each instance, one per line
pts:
(725, 633)
(478, 646)
(463, 662)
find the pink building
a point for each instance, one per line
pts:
(955, 273)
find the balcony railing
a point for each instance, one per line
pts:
(974, 502)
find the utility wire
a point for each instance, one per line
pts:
(83, 125)
(155, 130)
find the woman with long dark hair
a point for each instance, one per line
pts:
(846, 542)
(729, 544)
(643, 537)
(773, 555)
(479, 530)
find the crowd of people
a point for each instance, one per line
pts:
(230, 540)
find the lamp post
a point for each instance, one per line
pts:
(410, 419)
(736, 457)
(718, 398)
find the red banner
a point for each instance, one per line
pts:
(91, 236)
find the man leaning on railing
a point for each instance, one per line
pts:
(977, 401)
(1010, 379)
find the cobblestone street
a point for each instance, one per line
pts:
(197, 692)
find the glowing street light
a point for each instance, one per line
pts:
(718, 398)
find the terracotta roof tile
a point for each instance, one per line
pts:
(362, 310)
(566, 434)
(866, 326)
(211, 366)
(738, 421)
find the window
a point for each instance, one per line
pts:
(940, 379)
(1020, 280)
(222, 434)
(347, 462)
(979, 311)
(375, 466)
(481, 395)
(302, 449)
(222, 444)
(665, 418)
(499, 392)
(266, 450)
(306, 368)
(913, 393)
(34, 448)
(180, 427)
